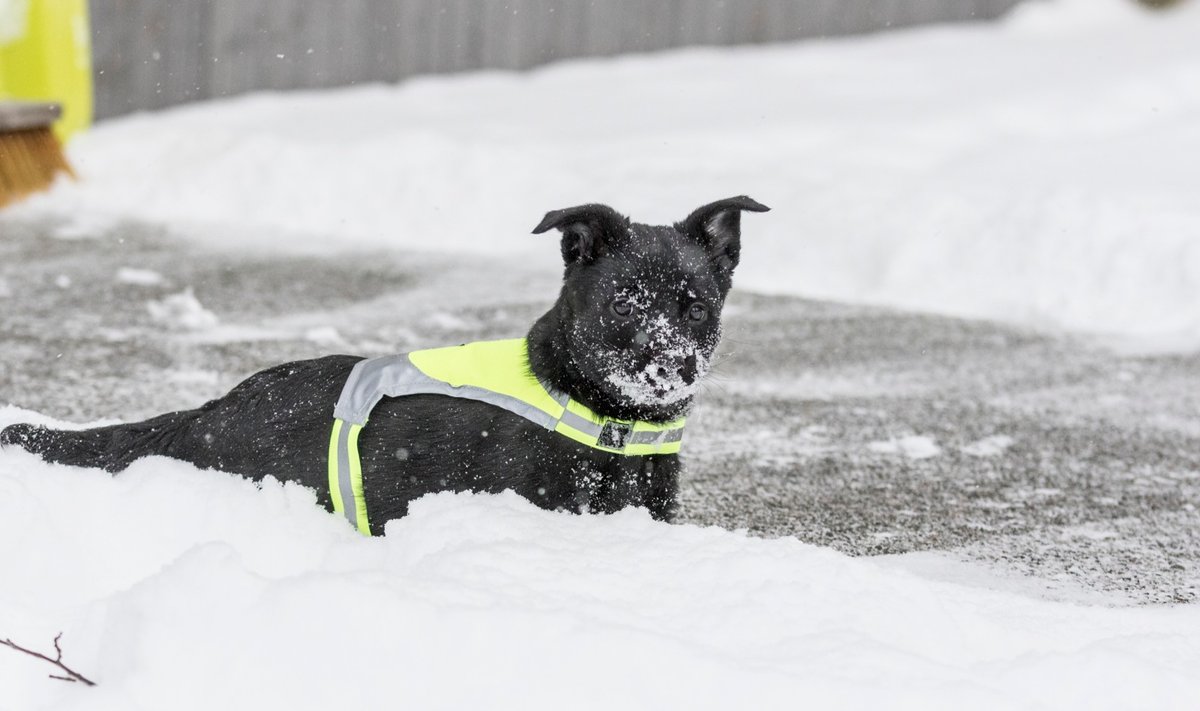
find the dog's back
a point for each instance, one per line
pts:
(275, 422)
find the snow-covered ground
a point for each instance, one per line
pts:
(1041, 171)
(182, 589)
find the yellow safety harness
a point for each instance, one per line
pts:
(495, 372)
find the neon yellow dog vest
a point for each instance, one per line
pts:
(495, 372)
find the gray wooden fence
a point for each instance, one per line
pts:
(155, 53)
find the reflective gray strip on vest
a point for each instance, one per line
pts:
(663, 437)
(345, 485)
(591, 429)
(583, 424)
(395, 376)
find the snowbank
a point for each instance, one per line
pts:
(1039, 170)
(181, 589)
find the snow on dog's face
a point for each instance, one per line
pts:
(649, 320)
(640, 307)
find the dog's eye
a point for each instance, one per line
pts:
(622, 308)
(698, 312)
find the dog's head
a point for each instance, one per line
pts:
(639, 315)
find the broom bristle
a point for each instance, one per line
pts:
(29, 161)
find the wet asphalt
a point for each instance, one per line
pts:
(871, 431)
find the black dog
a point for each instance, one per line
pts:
(631, 334)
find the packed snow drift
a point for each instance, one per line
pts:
(181, 589)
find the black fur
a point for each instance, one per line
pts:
(641, 364)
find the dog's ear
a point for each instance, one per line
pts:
(588, 231)
(717, 226)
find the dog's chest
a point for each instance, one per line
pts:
(610, 483)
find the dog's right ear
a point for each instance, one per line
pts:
(588, 231)
(718, 227)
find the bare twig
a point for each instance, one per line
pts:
(71, 674)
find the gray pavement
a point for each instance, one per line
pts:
(871, 431)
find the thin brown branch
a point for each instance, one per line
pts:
(71, 674)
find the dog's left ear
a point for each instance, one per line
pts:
(718, 228)
(588, 231)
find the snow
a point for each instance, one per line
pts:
(138, 277)
(181, 589)
(1039, 171)
(658, 382)
(911, 446)
(1066, 16)
(325, 335)
(988, 446)
(182, 311)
